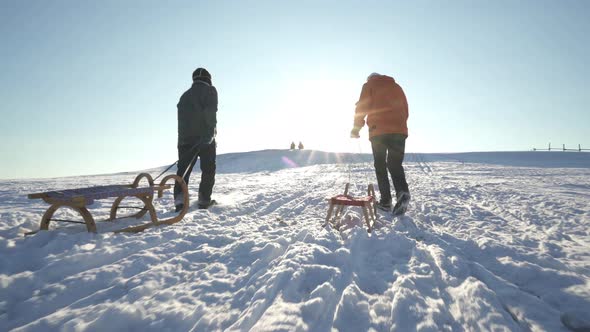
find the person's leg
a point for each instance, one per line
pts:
(186, 152)
(379, 161)
(208, 166)
(396, 146)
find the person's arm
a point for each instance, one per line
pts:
(210, 112)
(362, 108)
(406, 107)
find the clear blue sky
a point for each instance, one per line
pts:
(91, 87)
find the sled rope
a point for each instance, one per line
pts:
(176, 162)
(166, 170)
(66, 220)
(360, 151)
(131, 207)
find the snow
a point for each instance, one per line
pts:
(491, 241)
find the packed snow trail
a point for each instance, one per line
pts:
(485, 245)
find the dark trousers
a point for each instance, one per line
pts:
(207, 153)
(388, 155)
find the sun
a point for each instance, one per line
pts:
(320, 114)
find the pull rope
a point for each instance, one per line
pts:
(166, 170)
(349, 164)
(189, 164)
(192, 160)
(357, 158)
(349, 167)
(359, 146)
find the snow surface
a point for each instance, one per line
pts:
(492, 241)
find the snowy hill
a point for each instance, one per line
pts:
(492, 241)
(273, 160)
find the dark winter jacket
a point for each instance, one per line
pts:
(197, 114)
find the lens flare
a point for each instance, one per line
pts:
(288, 162)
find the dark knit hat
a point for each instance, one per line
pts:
(201, 73)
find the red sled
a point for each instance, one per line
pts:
(367, 203)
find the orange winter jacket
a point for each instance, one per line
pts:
(384, 104)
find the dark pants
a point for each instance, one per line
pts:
(207, 154)
(388, 154)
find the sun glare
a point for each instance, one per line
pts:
(321, 114)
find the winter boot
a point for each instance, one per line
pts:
(384, 205)
(206, 205)
(403, 200)
(203, 203)
(179, 203)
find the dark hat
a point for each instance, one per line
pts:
(201, 73)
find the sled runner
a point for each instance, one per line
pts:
(79, 199)
(367, 203)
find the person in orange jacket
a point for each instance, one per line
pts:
(385, 107)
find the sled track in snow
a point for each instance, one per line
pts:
(420, 163)
(497, 208)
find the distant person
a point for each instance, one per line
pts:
(384, 105)
(197, 127)
(292, 145)
(300, 146)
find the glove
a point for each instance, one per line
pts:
(210, 138)
(354, 133)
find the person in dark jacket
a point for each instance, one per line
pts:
(385, 107)
(197, 127)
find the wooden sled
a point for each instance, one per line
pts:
(366, 203)
(79, 199)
